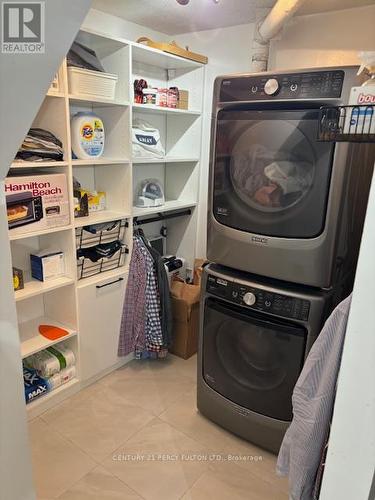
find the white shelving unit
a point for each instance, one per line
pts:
(90, 309)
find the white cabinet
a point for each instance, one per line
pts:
(100, 305)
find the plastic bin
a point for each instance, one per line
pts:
(87, 83)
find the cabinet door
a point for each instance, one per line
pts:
(100, 309)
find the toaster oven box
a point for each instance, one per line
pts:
(37, 202)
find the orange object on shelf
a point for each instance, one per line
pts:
(52, 332)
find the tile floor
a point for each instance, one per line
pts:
(136, 435)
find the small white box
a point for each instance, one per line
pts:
(91, 84)
(47, 264)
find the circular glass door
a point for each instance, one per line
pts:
(272, 166)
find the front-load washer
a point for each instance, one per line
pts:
(254, 337)
(283, 204)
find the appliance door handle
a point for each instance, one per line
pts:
(110, 283)
(226, 308)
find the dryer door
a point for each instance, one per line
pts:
(271, 176)
(252, 359)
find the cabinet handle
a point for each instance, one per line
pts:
(110, 283)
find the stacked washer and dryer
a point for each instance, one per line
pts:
(285, 220)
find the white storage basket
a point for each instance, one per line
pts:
(87, 83)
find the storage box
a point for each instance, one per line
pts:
(185, 328)
(47, 264)
(85, 82)
(360, 116)
(37, 202)
(183, 99)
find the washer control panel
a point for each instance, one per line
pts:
(259, 299)
(309, 85)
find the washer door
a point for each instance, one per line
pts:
(252, 359)
(271, 176)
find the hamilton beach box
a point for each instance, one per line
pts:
(37, 202)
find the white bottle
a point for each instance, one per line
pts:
(88, 136)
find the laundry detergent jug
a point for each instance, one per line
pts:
(87, 135)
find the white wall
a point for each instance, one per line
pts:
(228, 51)
(24, 80)
(328, 39)
(351, 452)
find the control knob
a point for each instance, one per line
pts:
(249, 298)
(271, 87)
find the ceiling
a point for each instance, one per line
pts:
(171, 18)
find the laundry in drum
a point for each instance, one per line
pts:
(264, 180)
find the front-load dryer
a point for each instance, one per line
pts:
(283, 204)
(254, 337)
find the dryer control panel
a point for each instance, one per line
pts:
(309, 85)
(259, 299)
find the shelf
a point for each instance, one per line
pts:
(35, 287)
(155, 57)
(49, 395)
(96, 100)
(101, 161)
(15, 234)
(168, 206)
(166, 159)
(32, 341)
(151, 108)
(51, 93)
(99, 217)
(38, 164)
(107, 275)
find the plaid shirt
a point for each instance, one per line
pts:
(140, 325)
(132, 330)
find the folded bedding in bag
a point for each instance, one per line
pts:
(146, 140)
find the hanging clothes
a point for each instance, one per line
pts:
(146, 326)
(132, 329)
(313, 399)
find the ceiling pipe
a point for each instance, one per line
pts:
(267, 27)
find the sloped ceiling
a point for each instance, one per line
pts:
(171, 18)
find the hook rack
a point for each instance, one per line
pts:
(161, 217)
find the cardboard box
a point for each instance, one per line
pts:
(185, 328)
(37, 202)
(183, 99)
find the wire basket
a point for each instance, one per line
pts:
(347, 123)
(96, 236)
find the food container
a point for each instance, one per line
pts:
(85, 82)
(172, 98)
(162, 98)
(149, 96)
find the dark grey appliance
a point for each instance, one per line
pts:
(282, 204)
(254, 337)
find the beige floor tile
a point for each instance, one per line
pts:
(184, 416)
(99, 484)
(99, 423)
(153, 393)
(57, 463)
(228, 481)
(168, 369)
(159, 462)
